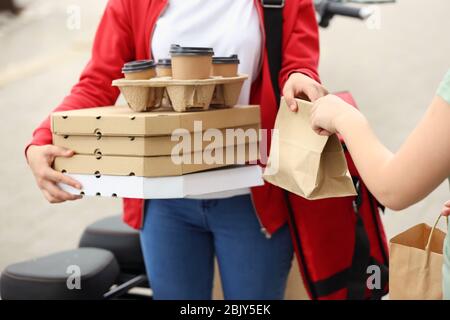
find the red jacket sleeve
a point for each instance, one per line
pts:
(301, 45)
(113, 46)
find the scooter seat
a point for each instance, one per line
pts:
(85, 273)
(114, 235)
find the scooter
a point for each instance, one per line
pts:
(108, 263)
(10, 6)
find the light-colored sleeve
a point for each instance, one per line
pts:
(444, 88)
(444, 92)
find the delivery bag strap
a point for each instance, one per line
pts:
(273, 26)
(378, 293)
(357, 274)
(310, 285)
(339, 281)
(354, 278)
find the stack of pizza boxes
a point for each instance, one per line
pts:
(175, 138)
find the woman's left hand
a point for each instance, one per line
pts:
(446, 209)
(325, 113)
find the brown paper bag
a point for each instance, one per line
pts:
(415, 266)
(304, 163)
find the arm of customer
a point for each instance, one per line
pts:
(300, 49)
(397, 180)
(112, 47)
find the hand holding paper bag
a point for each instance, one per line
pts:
(303, 162)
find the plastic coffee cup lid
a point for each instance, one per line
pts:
(138, 65)
(164, 62)
(231, 59)
(176, 50)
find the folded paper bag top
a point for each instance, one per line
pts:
(304, 163)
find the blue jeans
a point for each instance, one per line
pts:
(180, 238)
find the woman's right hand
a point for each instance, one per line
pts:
(446, 209)
(40, 160)
(326, 113)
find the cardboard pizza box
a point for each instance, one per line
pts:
(159, 166)
(152, 145)
(193, 184)
(122, 121)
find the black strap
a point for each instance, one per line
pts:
(374, 205)
(357, 274)
(339, 281)
(301, 257)
(332, 284)
(378, 294)
(273, 25)
(354, 278)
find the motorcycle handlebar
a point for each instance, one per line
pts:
(336, 8)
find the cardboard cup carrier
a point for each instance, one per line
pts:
(191, 86)
(164, 69)
(141, 70)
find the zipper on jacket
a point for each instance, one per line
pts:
(262, 228)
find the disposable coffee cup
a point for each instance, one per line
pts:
(164, 68)
(139, 70)
(225, 66)
(189, 63)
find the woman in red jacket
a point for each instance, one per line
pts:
(181, 237)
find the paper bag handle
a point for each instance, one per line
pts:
(427, 248)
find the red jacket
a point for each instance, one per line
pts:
(124, 34)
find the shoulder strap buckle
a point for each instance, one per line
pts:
(272, 4)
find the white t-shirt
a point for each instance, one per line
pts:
(228, 26)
